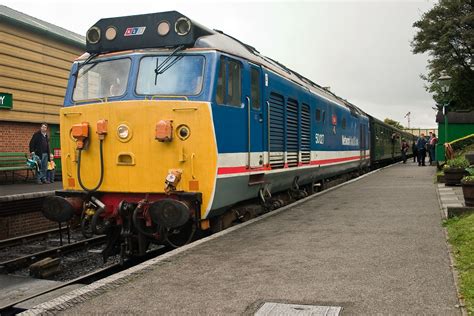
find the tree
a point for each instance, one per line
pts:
(446, 33)
(393, 123)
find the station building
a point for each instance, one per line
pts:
(35, 60)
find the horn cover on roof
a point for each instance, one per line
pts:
(141, 31)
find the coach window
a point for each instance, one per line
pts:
(229, 84)
(255, 88)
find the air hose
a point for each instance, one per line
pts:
(101, 170)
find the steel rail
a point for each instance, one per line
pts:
(21, 262)
(24, 238)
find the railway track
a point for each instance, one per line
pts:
(12, 265)
(11, 309)
(21, 240)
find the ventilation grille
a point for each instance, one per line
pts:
(292, 133)
(277, 131)
(305, 134)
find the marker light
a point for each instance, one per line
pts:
(111, 33)
(123, 131)
(182, 26)
(93, 35)
(163, 28)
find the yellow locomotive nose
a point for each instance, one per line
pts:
(143, 142)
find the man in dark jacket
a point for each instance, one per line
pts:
(39, 146)
(421, 146)
(415, 151)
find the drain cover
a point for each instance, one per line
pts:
(300, 310)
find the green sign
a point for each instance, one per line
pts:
(6, 100)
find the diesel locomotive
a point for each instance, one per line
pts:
(169, 128)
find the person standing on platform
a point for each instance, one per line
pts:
(433, 143)
(39, 145)
(428, 147)
(421, 147)
(404, 149)
(415, 151)
(51, 169)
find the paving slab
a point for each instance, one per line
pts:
(374, 246)
(450, 198)
(14, 288)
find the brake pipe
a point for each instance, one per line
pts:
(101, 170)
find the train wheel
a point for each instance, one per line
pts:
(98, 224)
(180, 236)
(86, 227)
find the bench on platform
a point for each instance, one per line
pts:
(12, 162)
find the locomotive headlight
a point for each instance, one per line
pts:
(163, 28)
(182, 26)
(93, 35)
(111, 33)
(123, 132)
(183, 132)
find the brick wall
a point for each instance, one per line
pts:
(22, 224)
(15, 136)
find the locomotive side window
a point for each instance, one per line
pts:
(234, 84)
(229, 83)
(343, 123)
(318, 115)
(255, 88)
(220, 92)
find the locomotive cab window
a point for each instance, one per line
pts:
(102, 79)
(229, 83)
(182, 75)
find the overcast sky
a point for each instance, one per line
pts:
(361, 49)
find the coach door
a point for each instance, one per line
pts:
(255, 123)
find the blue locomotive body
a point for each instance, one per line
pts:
(279, 133)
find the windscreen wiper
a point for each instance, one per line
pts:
(79, 67)
(167, 63)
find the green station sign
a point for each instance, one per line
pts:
(6, 100)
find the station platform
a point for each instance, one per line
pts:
(374, 245)
(27, 190)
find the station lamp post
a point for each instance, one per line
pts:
(444, 82)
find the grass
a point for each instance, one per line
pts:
(461, 237)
